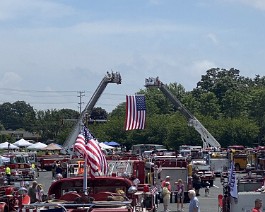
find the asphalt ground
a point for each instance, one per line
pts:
(207, 204)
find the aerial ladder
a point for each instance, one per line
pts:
(206, 136)
(113, 77)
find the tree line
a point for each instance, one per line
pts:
(230, 106)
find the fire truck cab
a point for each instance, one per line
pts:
(20, 166)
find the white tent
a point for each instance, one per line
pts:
(37, 145)
(22, 143)
(7, 145)
(105, 146)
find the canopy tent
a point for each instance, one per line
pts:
(22, 143)
(105, 146)
(37, 145)
(7, 145)
(52, 146)
(112, 143)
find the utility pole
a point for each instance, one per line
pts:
(81, 94)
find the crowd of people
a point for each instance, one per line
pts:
(179, 192)
(194, 205)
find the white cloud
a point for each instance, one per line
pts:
(200, 66)
(17, 9)
(10, 79)
(105, 27)
(258, 4)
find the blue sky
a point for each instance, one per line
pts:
(50, 50)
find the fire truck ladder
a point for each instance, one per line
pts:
(206, 136)
(108, 78)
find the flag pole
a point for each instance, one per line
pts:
(85, 165)
(85, 178)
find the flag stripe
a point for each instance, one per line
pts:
(135, 112)
(89, 148)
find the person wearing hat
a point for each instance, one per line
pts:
(164, 183)
(166, 196)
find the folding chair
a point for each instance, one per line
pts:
(220, 203)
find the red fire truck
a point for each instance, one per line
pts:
(46, 162)
(20, 166)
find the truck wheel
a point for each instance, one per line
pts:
(237, 167)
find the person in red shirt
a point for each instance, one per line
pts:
(164, 183)
(258, 206)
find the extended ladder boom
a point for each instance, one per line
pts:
(108, 78)
(207, 138)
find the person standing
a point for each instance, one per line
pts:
(59, 169)
(196, 182)
(180, 194)
(39, 193)
(8, 174)
(166, 196)
(167, 180)
(32, 192)
(54, 169)
(194, 202)
(258, 206)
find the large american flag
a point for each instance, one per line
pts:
(135, 112)
(88, 147)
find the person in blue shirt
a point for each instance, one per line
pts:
(194, 202)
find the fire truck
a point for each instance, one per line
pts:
(131, 169)
(108, 78)
(237, 153)
(138, 172)
(20, 166)
(105, 194)
(206, 136)
(219, 162)
(46, 162)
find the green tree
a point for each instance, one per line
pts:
(17, 115)
(98, 113)
(234, 104)
(209, 105)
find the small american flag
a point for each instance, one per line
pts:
(135, 112)
(154, 190)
